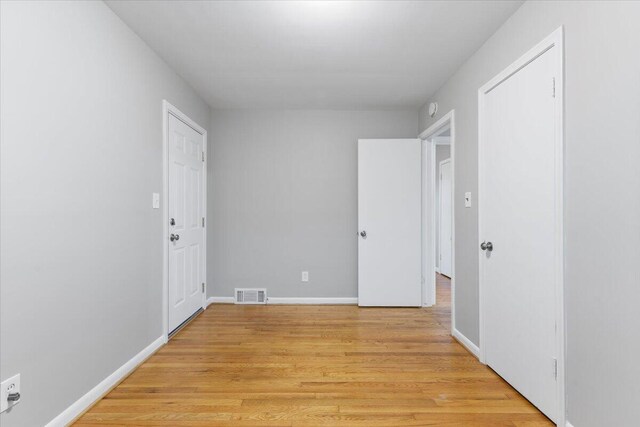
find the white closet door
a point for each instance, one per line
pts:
(389, 219)
(519, 224)
(446, 218)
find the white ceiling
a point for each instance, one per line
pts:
(315, 54)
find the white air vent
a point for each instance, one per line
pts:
(251, 296)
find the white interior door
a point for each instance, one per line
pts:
(519, 217)
(186, 221)
(446, 218)
(389, 220)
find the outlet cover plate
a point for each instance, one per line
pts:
(11, 385)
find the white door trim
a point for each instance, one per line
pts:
(167, 109)
(555, 39)
(429, 141)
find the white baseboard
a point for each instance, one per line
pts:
(80, 405)
(312, 301)
(569, 424)
(276, 300)
(220, 300)
(466, 343)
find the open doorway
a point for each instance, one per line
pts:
(438, 156)
(443, 229)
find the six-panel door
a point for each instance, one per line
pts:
(186, 224)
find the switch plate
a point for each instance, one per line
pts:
(305, 276)
(11, 385)
(156, 200)
(467, 199)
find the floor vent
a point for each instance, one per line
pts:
(251, 296)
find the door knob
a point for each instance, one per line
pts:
(174, 237)
(363, 234)
(486, 246)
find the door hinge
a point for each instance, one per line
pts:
(555, 368)
(554, 87)
(203, 288)
(203, 221)
(203, 156)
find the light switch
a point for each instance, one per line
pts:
(156, 200)
(467, 199)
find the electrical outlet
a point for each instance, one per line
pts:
(10, 386)
(305, 276)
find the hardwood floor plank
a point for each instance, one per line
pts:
(302, 366)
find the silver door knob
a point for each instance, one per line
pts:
(174, 237)
(363, 234)
(486, 246)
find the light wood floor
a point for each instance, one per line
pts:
(315, 366)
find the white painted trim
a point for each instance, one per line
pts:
(312, 301)
(466, 342)
(441, 140)
(220, 300)
(428, 259)
(554, 39)
(168, 108)
(569, 424)
(438, 127)
(287, 300)
(96, 393)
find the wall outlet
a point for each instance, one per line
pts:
(305, 276)
(10, 386)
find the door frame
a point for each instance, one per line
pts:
(167, 109)
(429, 182)
(555, 39)
(440, 209)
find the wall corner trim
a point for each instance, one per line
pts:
(466, 343)
(81, 405)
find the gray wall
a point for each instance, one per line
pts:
(283, 198)
(602, 193)
(81, 252)
(443, 152)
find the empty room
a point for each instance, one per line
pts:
(319, 213)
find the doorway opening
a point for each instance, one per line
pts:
(438, 224)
